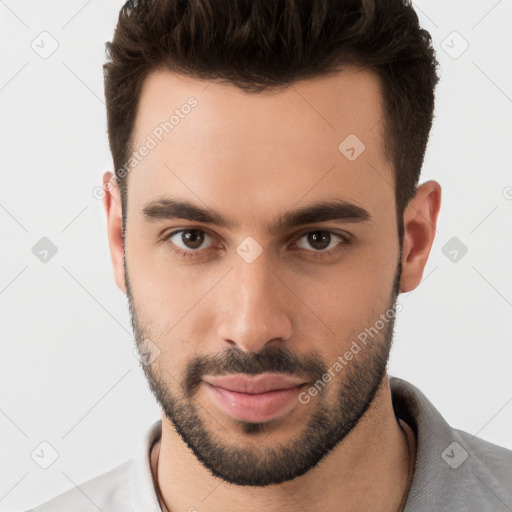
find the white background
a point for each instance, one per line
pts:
(68, 374)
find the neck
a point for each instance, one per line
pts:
(369, 469)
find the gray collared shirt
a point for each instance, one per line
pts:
(454, 470)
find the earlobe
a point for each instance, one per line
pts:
(113, 210)
(420, 220)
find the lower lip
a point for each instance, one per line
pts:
(254, 408)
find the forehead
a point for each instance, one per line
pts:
(260, 153)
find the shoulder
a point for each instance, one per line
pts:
(488, 462)
(454, 470)
(487, 453)
(128, 486)
(103, 492)
(475, 473)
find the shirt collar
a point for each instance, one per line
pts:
(143, 494)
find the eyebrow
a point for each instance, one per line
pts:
(320, 211)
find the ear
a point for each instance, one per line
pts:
(420, 219)
(112, 204)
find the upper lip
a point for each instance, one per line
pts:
(254, 384)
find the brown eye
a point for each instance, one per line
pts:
(188, 240)
(321, 240)
(193, 238)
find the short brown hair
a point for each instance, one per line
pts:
(267, 44)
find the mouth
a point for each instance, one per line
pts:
(255, 384)
(255, 398)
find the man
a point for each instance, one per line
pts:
(264, 217)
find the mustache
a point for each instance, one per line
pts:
(272, 359)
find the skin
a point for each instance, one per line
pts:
(252, 157)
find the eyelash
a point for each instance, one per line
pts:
(316, 254)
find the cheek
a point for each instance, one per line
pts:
(174, 305)
(349, 297)
(154, 299)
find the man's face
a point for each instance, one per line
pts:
(255, 295)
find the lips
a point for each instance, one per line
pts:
(254, 384)
(257, 398)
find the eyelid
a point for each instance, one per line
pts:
(345, 237)
(295, 236)
(344, 243)
(166, 237)
(333, 231)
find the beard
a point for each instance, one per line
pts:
(358, 384)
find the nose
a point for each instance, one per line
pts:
(254, 306)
